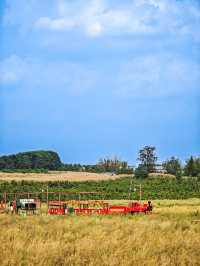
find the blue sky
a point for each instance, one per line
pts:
(95, 78)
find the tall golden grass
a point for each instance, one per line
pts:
(167, 237)
(57, 175)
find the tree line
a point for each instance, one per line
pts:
(43, 161)
(148, 164)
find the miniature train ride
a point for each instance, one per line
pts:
(97, 207)
(24, 205)
(65, 203)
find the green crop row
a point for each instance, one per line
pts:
(156, 188)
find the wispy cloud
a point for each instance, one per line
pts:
(67, 66)
(140, 72)
(96, 18)
(103, 17)
(144, 76)
(70, 77)
(12, 70)
(158, 76)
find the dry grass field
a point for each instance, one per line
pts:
(169, 236)
(57, 175)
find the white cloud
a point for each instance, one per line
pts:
(12, 70)
(97, 19)
(73, 78)
(105, 17)
(154, 74)
(144, 76)
(158, 75)
(94, 29)
(55, 24)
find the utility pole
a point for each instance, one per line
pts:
(5, 200)
(135, 189)
(130, 189)
(79, 199)
(47, 198)
(59, 195)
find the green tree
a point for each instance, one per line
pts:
(197, 166)
(31, 160)
(141, 171)
(179, 174)
(148, 158)
(192, 167)
(172, 166)
(113, 165)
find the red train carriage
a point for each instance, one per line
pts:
(64, 207)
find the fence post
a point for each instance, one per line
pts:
(140, 193)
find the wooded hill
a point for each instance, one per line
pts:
(31, 160)
(42, 161)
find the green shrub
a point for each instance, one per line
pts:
(141, 171)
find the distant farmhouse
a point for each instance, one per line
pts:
(159, 169)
